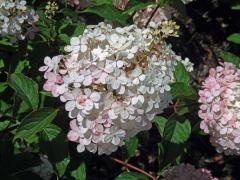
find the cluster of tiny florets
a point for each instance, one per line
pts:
(220, 105)
(187, 172)
(113, 81)
(16, 19)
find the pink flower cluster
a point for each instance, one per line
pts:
(113, 82)
(220, 105)
(187, 172)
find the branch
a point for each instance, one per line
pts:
(134, 168)
(155, 10)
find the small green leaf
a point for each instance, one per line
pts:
(177, 132)
(131, 176)
(161, 123)
(230, 57)
(3, 86)
(79, 29)
(131, 146)
(162, 2)
(62, 166)
(22, 65)
(109, 12)
(235, 38)
(236, 7)
(80, 172)
(26, 88)
(135, 5)
(183, 90)
(4, 125)
(65, 38)
(1, 63)
(51, 132)
(35, 122)
(45, 93)
(181, 74)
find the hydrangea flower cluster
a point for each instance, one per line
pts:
(16, 20)
(113, 81)
(220, 105)
(187, 171)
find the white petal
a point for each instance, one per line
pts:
(83, 48)
(112, 115)
(80, 148)
(74, 41)
(95, 96)
(88, 105)
(116, 140)
(87, 81)
(70, 105)
(115, 84)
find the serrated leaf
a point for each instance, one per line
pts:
(177, 132)
(80, 172)
(183, 90)
(131, 146)
(235, 38)
(62, 166)
(161, 123)
(230, 57)
(4, 124)
(109, 12)
(131, 176)
(35, 122)
(51, 132)
(26, 88)
(181, 74)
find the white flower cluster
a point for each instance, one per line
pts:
(188, 172)
(113, 81)
(16, 19)
(220, 105)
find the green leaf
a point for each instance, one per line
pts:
(181, 74)
(101, 2)
(22, 65)
(1, 63)
(80, 172)
(79, 29)
(135, 5)
(35, 122)
(62, 166)
(26, 88)
(4, 125)
(131, 176)
(131, 146)
(3, 86)
(23, 107)
(45, 93)
(236, 7)
(183, 90)
(230, 57)
(51, 132)
(161, 123)
(235, 38)
(65, 38)
(177, 132)
(162, 2)
(109, 12)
